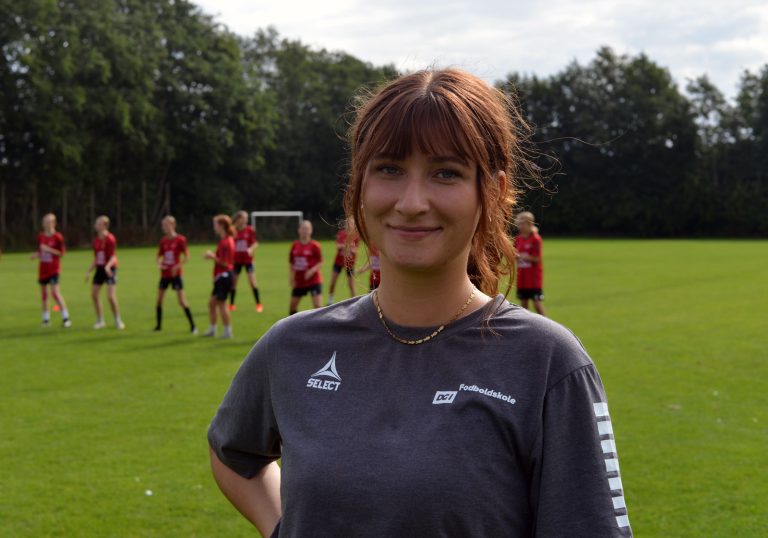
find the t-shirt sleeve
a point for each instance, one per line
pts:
(244, 432)
(60, 244)
(318, 253)
(576, 486)
(183, 248)
(290, 256)
(110, 247)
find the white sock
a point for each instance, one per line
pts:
(46, 315)
(118, 321)
(64, 313)
(330, 298)
(100, 319)
(212, 328)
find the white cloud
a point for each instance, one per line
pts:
(495, 37)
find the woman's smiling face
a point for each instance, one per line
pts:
(421, 211)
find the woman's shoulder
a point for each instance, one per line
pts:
(345, 315)
(539, 340)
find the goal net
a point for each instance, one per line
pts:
(276, 225)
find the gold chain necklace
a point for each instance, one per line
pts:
(428, 337)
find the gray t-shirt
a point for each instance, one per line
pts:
(497, 427)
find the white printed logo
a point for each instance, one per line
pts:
(444, 397)
(329, 370)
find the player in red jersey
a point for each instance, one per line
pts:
(223, 264)
(374, 264)
(105, 264)
(530, 274)
(345, 259)
(171, 256)
(305, 260)
(50, 249)
(245, 243)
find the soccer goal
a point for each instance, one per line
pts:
(276, 225)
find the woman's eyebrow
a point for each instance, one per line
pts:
(387, 157)
(448, 159)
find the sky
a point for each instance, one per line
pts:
(492, 38)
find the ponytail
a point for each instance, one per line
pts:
(225, 222)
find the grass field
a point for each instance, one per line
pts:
(91, 421)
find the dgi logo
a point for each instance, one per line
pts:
(444, 397)
(329, 370)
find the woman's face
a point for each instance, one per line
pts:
(217, 229)
(421, 212)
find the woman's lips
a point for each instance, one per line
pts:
(414, 232)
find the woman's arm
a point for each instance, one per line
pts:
(258, 498)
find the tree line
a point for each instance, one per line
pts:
(138, 108)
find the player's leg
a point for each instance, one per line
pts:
(59, 298)
(317, 296)
(95, 296)
(46, 311)
(225, 319)
(187, 312)
(351, 282)
(112, 296)
(538, 302)
(254, 288)
(159, 306)
(211, 316)
(233, 291)
(332, 285)
(524, 303)
(294, 305)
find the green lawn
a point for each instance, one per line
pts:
(91, 421)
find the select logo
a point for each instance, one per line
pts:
(444, 397)
(327, 371)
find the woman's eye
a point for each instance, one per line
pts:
(388, 170)
(447, 175)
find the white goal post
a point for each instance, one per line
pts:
(295, 214)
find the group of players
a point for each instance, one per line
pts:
(234, 252)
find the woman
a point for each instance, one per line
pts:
(172, 254)
(105, 265)
(530, 266)
(223, 263)
(50, 249)
(245, 243)
(432, 406)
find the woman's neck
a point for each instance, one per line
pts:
(421, 299)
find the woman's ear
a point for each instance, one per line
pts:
(501, 177)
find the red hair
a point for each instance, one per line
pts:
(450, 111)
(225, 222)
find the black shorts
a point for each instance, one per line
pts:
(530, 293)
(315, 290)
(337, 269)
(175, 282)
(239, 267)
(54, 279)
(100, 277)
(222, 285)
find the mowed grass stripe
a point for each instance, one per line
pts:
(91, 420)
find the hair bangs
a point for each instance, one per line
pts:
(426, 123)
